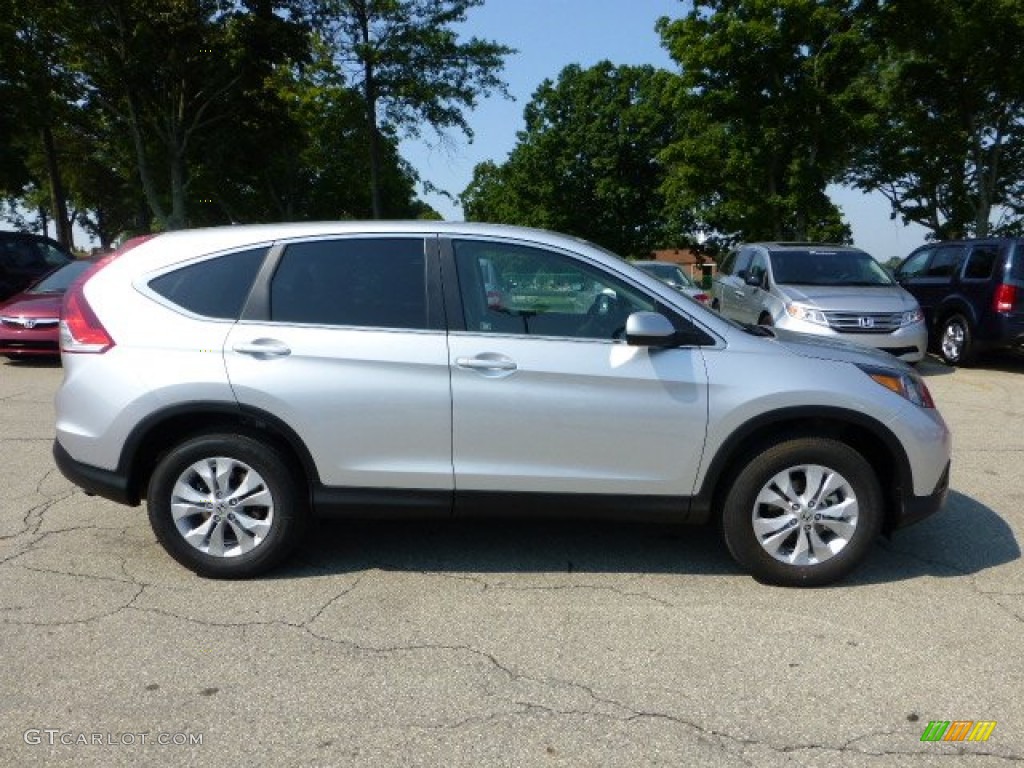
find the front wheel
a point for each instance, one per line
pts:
(956, 343)
(803, 512)
(226, 505)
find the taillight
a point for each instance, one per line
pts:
(1005, 298)
(703, 298)
(80, 330)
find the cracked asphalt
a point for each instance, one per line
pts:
(499, 644)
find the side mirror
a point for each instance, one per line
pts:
(754, 278)
(649, 329)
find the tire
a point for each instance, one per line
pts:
(797, 544)
(765, 319)
(262, 509)
(956, 341)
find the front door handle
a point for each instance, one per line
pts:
(487, 363)
(263, 349)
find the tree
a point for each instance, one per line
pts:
(411, 68)
(947, 118)
(39, 90)
(586, 162)
(769, 114)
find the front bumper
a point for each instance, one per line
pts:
(909, 343)
(917, 508)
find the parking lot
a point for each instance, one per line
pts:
(501, 644)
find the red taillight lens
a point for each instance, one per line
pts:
(703, 298)
(80, 329)
(1005, 298)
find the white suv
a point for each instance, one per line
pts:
(241, 379)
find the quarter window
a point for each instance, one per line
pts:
(363, 282)
(215, 287)
(514, 289)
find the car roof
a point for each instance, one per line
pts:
(796, 246)
(13, 235)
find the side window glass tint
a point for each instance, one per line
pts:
(216, 287)
(758, 266)
(365, 282)
(981, 262)
(915, 265)
(728, 264)
(515, 289)
(743, 262)
(946, 261)
(54, 257)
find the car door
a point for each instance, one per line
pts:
(733, 295)
(547, 397)
(928, 275)
(344, 340)
(751, 296)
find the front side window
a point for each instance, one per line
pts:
(362, 282)
(514, 289)
(946, 261)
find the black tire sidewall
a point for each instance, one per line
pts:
(736, 519)
(290, 513)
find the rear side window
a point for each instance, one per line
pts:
(216, 287)
(981, 262)
(363, 282)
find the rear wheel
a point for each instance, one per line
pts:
(765, 319)
(803, 512)
(956, 342)
(226, 505)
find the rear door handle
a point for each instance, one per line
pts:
(486, 362)
(263, 349)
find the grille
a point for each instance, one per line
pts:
(864, 322)
(29, 322)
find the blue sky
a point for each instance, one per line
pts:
(551, 34)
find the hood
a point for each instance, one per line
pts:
(32, 305)
(830, 348)
(852, 298)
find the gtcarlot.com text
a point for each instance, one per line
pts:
(54, 737)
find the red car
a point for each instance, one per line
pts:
(30, 320)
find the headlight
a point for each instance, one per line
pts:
(911, 317)
(800, 312)
(908, 385)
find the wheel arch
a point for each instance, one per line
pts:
(953, 305)
(161, 431)
(869, 437)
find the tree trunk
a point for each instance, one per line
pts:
(58, 200)
(370, 105)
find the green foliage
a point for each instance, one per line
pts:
(768, 114)
(586, 161)
(947, 115)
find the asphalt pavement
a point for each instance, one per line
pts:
(510, 644)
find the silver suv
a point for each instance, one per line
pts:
(826, 290)
(240, 380)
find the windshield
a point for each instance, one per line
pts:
(824, 267)
(59, 280)
(667, 272)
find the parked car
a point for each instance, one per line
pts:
(240, 379)
(24, 258)
(971, 292)
(29, 320)
(826, 290)
(673, 275)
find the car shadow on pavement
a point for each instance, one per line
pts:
(966, 537)
(962, 539)
(509, 546)
(33, 362)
